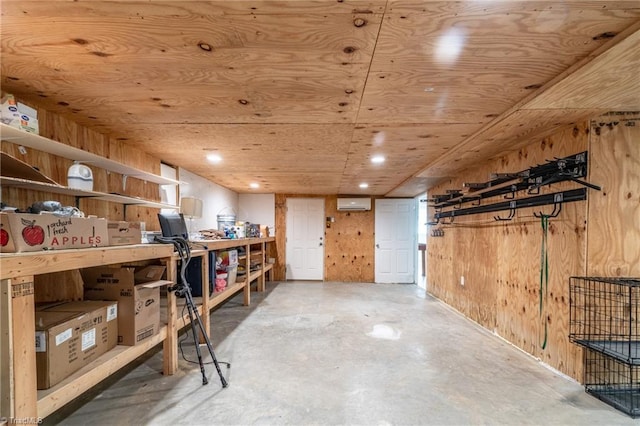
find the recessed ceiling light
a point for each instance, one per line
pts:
(254, 185)
(378, 159)
(214, 158)
(364, 185)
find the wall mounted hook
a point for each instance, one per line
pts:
(512, 212)
(557, 207)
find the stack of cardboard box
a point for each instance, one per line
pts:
(70, 336)
(18, 115)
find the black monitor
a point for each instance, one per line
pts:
(173, 225)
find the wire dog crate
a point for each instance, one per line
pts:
(612, 381)
(604, 316)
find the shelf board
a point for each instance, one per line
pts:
(268, 267)
(255, 275)
(182, 320)
(227, 293)
(63, 190)
(50, 400)
(31, 140)
(42, 262)
(224, 243)
(134, 201)
(214, 300)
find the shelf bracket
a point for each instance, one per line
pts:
(124, 182)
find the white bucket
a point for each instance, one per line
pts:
(226, 221)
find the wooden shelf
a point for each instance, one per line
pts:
(17, 273)
(59, 189)
(225, 244)
(31, 140)
(255, 275)
(133, 201)
(50, 400)
(227, 293)
(43, 262)
(185, 320)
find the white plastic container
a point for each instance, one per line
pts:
(80, 177)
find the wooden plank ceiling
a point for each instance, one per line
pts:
(299, 95)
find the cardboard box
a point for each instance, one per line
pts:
(18, 115)
(124, 233)
(70, 336)
(137, 292)
(9, 110)
(20, 232)
(252, 230)
(227, 258)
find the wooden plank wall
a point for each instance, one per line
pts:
(500, 261)
(614, 214)
(349, 241)
(53, 126)
(280, 234)
(349, 253)
(59, 128)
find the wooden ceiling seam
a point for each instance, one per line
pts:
(623, 35)
(364, 88)
(373, 54)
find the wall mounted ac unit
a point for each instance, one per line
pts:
(354, 204)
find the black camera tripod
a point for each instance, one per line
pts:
(183, 289)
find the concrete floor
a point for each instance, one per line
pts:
(331, 353)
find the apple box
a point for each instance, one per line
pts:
(137, 291)
(124, 233)
(20, 232)
(70, 336)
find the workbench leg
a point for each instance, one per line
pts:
(261, 287)
(205, 297)
(261, 284)
(247, 291)
(247, 284)
(6, 352)
(170, 344)
(24, 394)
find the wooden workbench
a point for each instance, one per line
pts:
(19, 397)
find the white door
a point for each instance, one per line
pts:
(395, 225)
(305, 239)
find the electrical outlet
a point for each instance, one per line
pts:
(461, 279)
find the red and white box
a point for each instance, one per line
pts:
(21, 232)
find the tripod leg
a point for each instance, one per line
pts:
(210, 347)
(182, 247)
(191, 308)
